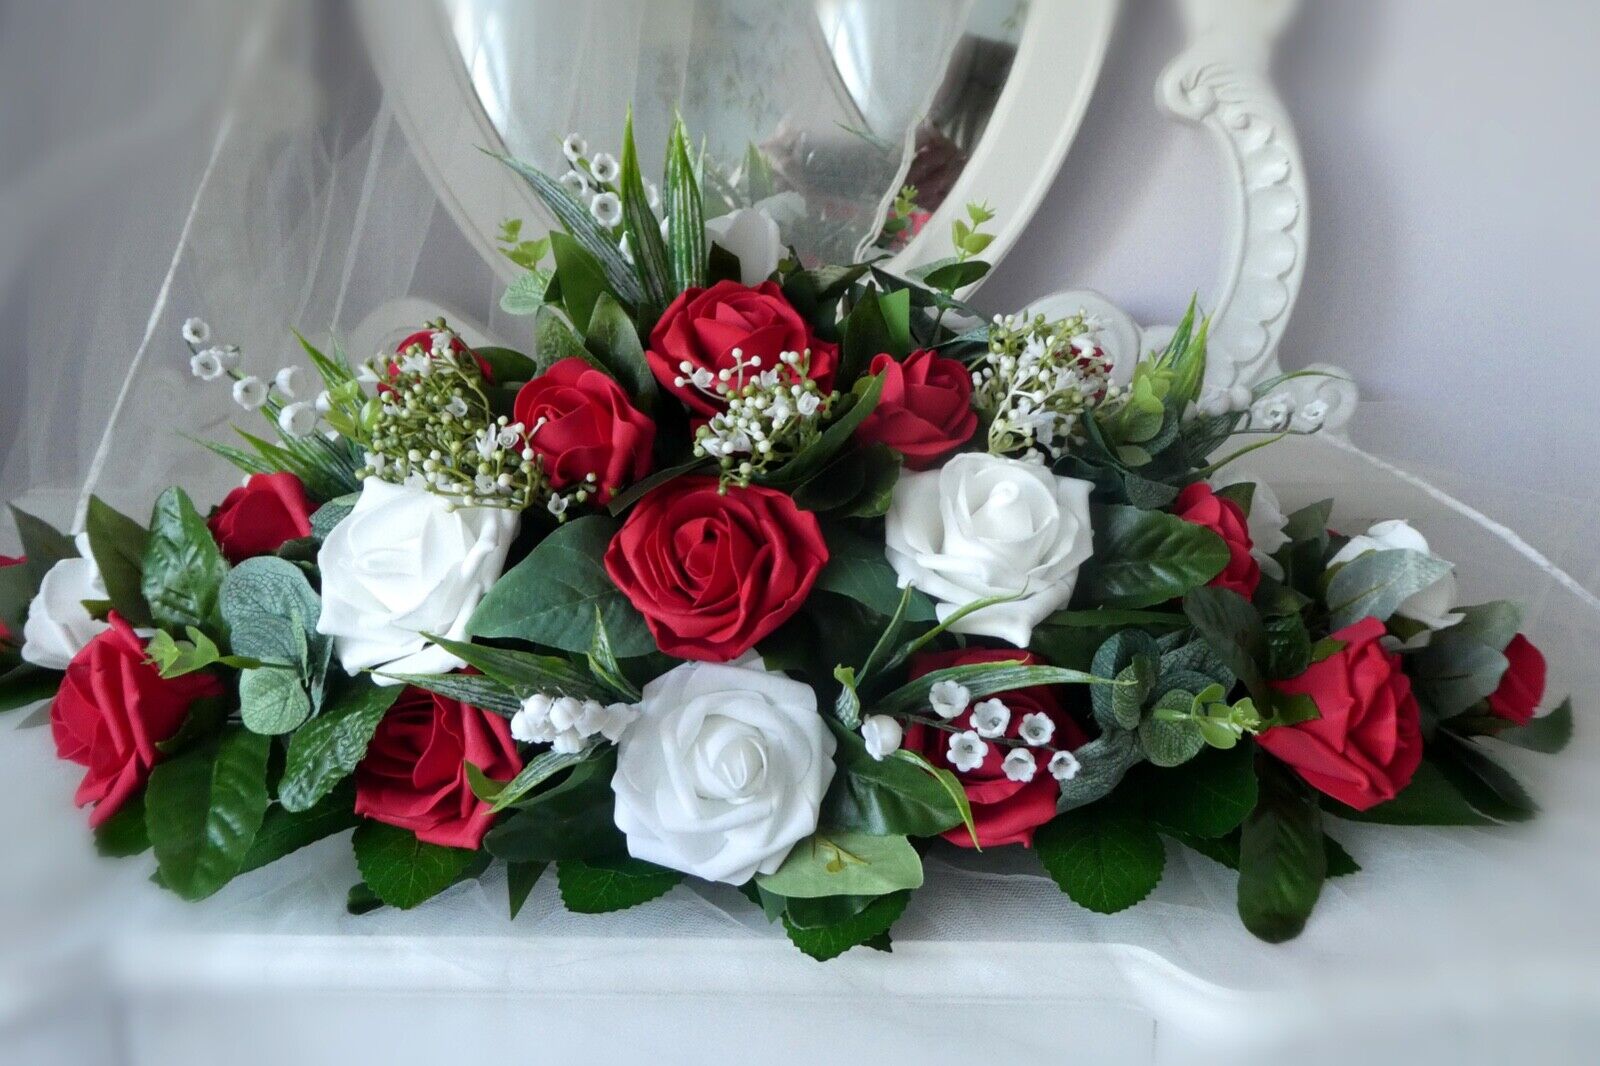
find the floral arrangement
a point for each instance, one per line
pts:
(760, 573)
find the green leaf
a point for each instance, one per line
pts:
(477, 690)
(866, 334)
(26, 684)
(272, 613)
(1143, 558)
(858, 569)
(183, 568)
(204, 808)
(328, 748)
(526, 673)
(1207, 797)
(525, 295)
(555, 339)
(272, 700)
(888, 797)
(600, 886)
(42, 545)
(643, 228)
(867, 927)
(550, 597)
(1105, 859)
(639, 489)
(811, 459)
(520, 879)
(124, 834)
(283, 831)
(1282, 861)
(1548, 734)
(539, 769)
(834, 862)
(817, 912)
(687, 234)
(582, 279)
(331, 514)
(506, 365)
(583, 228)
(1486, 784)
(959, 275)
(570, 820)
(1456, 671)
(175, 658)
(403, 871)
(980, 679)
(1430, 799)
(118, 544)
(613, 341)
(1375, 584)
(1234, 630)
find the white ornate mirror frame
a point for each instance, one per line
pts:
(1222, 82)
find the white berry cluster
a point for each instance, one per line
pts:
(770, 412)
(284, 395)
(966, 749)
(568, 724)
(435, 427)
(1036, 381)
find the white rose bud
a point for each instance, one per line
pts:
(984, 526)
(58, 625)
(406, 562)
(724, 771)
(882, 735)
(752, 235)
(1432, 606)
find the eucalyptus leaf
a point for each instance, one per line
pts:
(1376, 583)
(843, 863)
(1548, 733)
(272, 700)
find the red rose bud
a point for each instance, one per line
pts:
(579, 421)
(925, 409)
(1368, 742)
(1522, 685)
(414, 773)
(702, 327)
(260, 516)
(111, 712)
(1004, 811)
(712, 573)
(1203, 507)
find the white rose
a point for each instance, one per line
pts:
(752, 235)
(58, 624)
(404, 563)
(1431, 606)
(984, 526)
(1266, 519)
(723, 771)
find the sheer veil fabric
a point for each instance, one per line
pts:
(301, 207)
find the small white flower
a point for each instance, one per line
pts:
(250, 392)
(531, 724)
(323, 403)
(1019, 765)
(574, 147)
(441, 342)
(196, 331)
(1274, 412)
(565, 712)
(606, 209)
(882, 735)
(290, 381)
(568, 742)
(366, 375)
(205, 365)
(808, 404)
(228, 356)
(1311, 416)
(948, 698)
(575, 183)
(1036, 729)
(457, 407)
(604, 168)
(557, 506)
(967, 751)
(298, 420)
(652, 195)
(990, 718)
(1064, 766)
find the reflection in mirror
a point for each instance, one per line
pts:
(823, 111)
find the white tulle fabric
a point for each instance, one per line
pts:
(308, 211)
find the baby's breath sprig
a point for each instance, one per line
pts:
(770, 413)
(1036, 381)
(435, 425)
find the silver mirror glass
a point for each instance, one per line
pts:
(820, 110)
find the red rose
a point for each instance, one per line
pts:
(712, 573)
(111, 712)
(1522, 685)
(1003, 811)
(1198, 504)
(423, 338)
(260, 516)
(702, 327)
(8, 561)
(925, 409)
(414, 774)
(580, 422)
(1368, 742)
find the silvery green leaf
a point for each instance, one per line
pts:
(1493, 623)
(272, 614)
(1456, 671)
(272, 700)
(1101, 765)
(525, 295)
(1171, 743)
(1377, 583)
(1196, 656)
(1110, 660)
(1127, 700)
(331, 514)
